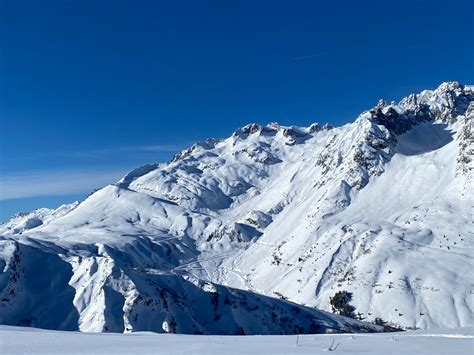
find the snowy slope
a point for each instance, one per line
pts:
(381, 207)
(17, 340)
(100, 289)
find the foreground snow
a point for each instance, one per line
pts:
(17, 340)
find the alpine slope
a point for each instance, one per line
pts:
(254, 233)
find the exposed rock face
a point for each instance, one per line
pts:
(465, 164)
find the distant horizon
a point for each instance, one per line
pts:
(91, 91)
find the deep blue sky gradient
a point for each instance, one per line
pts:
(109, 85)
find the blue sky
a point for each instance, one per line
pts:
(91, 89)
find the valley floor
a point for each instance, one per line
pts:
(17, 340)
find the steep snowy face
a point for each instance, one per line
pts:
(392, 221)
(99, 289)
(381, 207)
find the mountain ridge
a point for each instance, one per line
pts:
(288, 212)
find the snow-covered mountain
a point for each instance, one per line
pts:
(381, 207)
(24, 221)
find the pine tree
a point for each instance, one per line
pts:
(340, 304)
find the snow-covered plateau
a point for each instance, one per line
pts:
(254, 233)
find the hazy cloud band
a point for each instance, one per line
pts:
(57, 182)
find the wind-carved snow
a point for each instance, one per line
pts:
(381, 207)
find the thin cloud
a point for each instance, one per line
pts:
(142, 148)
(110, 151)
(309, 56)
(154, 148)
(57, 182)
(68, 181)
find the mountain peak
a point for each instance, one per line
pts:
(379, 208)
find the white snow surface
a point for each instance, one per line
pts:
(18, 340)
(381, 207)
